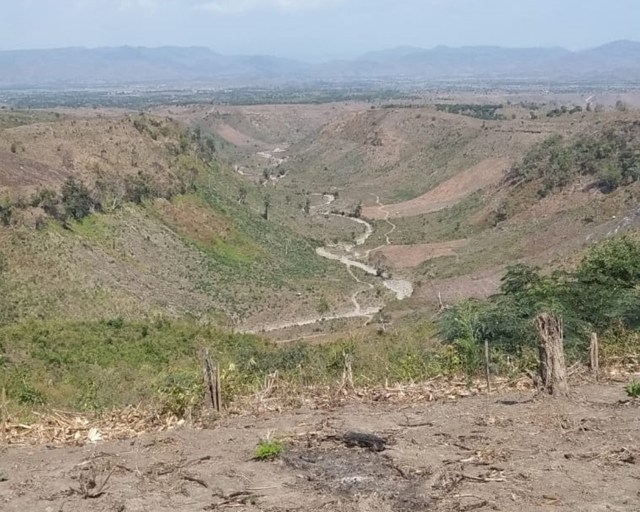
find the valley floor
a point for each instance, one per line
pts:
(499, 452)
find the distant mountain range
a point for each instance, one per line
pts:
(619, 61)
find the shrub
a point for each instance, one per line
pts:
(268, 449)
(600, 294)
(6, 212)
(48, 200)
(76, 199)
(633, 389)
(180, 392)
(136, 188)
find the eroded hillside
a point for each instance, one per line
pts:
(164, 231)
(442, 191)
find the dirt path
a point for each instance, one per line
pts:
(358, 310)
(502, 452)
(346, 254)
(382, 209)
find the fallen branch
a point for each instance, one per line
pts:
(195, 480)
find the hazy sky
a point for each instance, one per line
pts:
(315, 28)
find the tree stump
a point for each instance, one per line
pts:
(553, 371)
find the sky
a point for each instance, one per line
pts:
(315, 29)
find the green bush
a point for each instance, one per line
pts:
(76, 199)
(268, 449)
(181, 392)
(611, 155)
(602, 293)
(633, 389)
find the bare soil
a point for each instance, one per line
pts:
(486, 173)
(500, 452)
(404, 256)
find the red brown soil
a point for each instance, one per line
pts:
(18, 172)
(406, 256)
(501, 452)
(479, 285)
(486, 173)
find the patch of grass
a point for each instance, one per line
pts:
(236, 250)
(97, 227)
(14, 118)
(633, 389)
(452, 223)
(105, 364)
(268, 449)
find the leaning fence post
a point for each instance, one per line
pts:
(211, 381)
(487, 362)
(594, 355)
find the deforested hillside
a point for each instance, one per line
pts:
(399, 153)
(126, 215)
(454, 192)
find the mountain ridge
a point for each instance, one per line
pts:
(194, 64)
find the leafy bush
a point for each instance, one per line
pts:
(268, 449)
(180, 392)
(76, 199)
(480, 111)
(600, 294)
(611, 155)
(633, 389)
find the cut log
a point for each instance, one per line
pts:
(553, 371)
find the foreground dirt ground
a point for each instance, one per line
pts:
(499, 452)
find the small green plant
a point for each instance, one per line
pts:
(633, 389)
(180, 392)
(268, 449)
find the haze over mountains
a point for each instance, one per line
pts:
(617, 61)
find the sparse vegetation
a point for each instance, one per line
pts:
(611, 156)
(268, 449)
(601, 294)
(479, 111)
(633, 389)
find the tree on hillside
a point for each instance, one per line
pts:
(6, 212)
(76, 199)
(242, 195)
(603, 292)
(267, 205)
(5, 309)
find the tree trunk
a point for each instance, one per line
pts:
(553, 371)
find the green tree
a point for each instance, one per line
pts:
(267, 206)
(6, 211)
(242, 195)
(76, 199)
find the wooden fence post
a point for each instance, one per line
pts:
(486, 365)
(5, 415)
(594, 355)
(211, 377)
(553, 371)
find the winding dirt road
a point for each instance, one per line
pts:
(346, 254)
